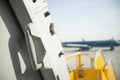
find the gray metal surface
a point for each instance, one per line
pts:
(47, 74)
(12, 42)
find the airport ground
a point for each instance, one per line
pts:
(114, 55)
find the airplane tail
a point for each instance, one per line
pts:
(83, 39)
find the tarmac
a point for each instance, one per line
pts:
(113, 55)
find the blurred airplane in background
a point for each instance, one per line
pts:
(87, 45)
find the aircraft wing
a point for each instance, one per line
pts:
(80, 46)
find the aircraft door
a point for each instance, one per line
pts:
(41, 36)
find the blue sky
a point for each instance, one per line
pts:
(88, 19)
